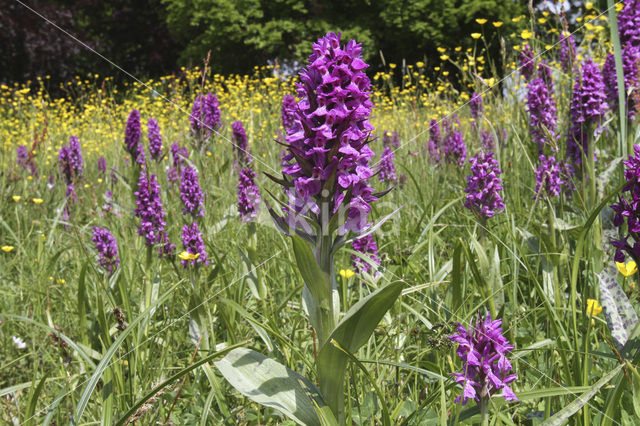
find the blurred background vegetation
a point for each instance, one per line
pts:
(150, 38)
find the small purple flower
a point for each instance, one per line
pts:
(155, 139)
(487, 141)
(241, 152)
(149, 209)
(567, 52)
(484, 186)
(367, 246)
(548, 177)
(205, 116)
(475, 106)
(102, 166)
(631, 71)
(190, 193)
(628, 210)
(387, 167)
(545, 73)
(542, 115)
(22, 155)
(178, 156)
(70, 160)
(390, 139)
(288, 111)
(629, 23)
(527, 62)
(132, 135)
(107, 248)
(483, 350)
(193, 244)
(455, 151)
(248, 195)
(588, 107)
(434, 141)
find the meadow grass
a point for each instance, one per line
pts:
(534, 265)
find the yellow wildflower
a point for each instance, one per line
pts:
(420, 64)
(441, 49)
(526, 34)
(588, 5)
(481, 21)
(346, 273)
(7, 249)
(38, 200)
(627, 270)
(444, 57)
(593, 307)
(16, 198)
(476, 35)
(497, 24)
(188, 256)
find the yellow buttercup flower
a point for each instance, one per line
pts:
(392, 66)
(627, 269)
(16, 198)
(526, 34)
(481, 21)
(497, 24)
(38, 200)
(441, 49)
(346, 273)
(420, 64)
(476, 35)
(593, 307)
(588, 5)
(185, 255)
(444, 57)
(7, 249)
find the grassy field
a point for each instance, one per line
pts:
(82, 345)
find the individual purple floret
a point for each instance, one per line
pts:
(241, 152)
(107, 248)
(527, 62)
(205, 116)
(434, 141)
(487, 141)
(475, 106)
(588, 107)
(330, 135)
(155, 139)
(102, 166)
(387, 167)
(193, 244)
(149, 209)
(366, 245)
(191, 193)
(567, 52)
(629, 23)
(70, 160)
(390, 139)
(542, 115)
(631, 72)
(628, 210)
(288, 111)
(248, 195)
(485, 366)
(484, 186)
(548, 177)
(455, 151)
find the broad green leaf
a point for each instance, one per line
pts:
(351, 333)
(317, 280)
(620, 315)
(563, 415)
(270, 383)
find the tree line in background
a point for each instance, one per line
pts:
(150, 38)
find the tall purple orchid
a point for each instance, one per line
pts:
(241, 151)
(627, 209)
(132, 138)
(542, 115)
(205, 117)
(155, 139)
(484, 186)
(248, 195)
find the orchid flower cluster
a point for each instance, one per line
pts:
(627, 209)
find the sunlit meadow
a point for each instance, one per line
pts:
(149, 277)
